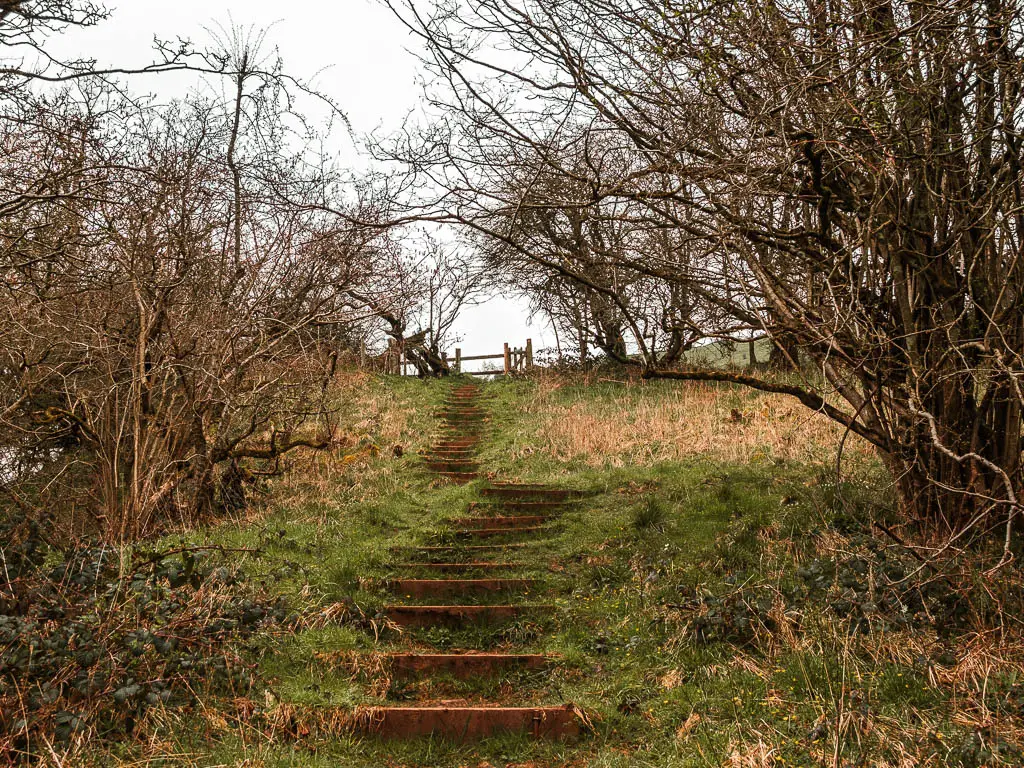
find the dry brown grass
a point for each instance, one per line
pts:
(656, 423)
(372, 420)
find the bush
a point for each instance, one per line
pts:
(91, 643)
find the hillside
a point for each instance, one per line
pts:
(718, 597)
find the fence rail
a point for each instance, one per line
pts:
(514, 360)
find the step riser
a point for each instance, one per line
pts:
(522, 521)
(425, 616)
(419, 588)
(485, 533)
(460, 567)
(529, 495)
(527, 509)
(452, 466)
(469, 724)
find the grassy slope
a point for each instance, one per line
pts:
(717, 353)
(686, 630)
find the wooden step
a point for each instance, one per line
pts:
(522, 506)
(459, 615)
(514, 521)
(530, 493)
(469, 724)
(484, 533)
(469, 566)
(465, 665)
(452, 465)
(416, 588)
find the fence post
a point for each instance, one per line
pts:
(508, 359)
(529, 354)
(458, 360)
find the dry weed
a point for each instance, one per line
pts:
(372, 421)
(374, 668)
(755, 754)
(655, 424)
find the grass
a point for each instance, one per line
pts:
(723, 354)
(696, 586)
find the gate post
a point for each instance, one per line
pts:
(529, 354)
(458, 360)
(508, 359)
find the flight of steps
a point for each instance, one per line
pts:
(470, 579)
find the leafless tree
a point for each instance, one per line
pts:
(852, 168)
(165, 275)
(418, 288)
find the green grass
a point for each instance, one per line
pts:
(720, 354)
(644, 571)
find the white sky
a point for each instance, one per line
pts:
(359, 50)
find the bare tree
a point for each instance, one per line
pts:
(853, 169)
(161, 301)
(418, 287)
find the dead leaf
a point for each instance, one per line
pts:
(684, 730)
(671, 679)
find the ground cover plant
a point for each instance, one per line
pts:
(717, 601)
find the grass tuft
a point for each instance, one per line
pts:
(650, 515)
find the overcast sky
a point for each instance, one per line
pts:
(360, 52)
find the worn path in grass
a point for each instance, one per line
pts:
(471, 580)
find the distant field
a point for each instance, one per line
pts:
(720, 354)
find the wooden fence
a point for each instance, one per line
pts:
(514, 360)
